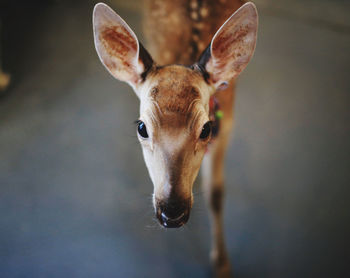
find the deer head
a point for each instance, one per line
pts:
(174, 127)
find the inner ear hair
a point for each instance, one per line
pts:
(231, 47)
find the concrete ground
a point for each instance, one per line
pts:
(74, 190)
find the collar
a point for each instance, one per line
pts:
(215, 115)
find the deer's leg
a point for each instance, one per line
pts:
(4, 78)
(213, 184)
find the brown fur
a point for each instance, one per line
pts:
(174, 92)
(175, 98)
(172, 30)
(117, 41)
(178, 32)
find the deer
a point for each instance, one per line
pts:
(5, 78)
(186, 85)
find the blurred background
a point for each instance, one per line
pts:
(75, 196)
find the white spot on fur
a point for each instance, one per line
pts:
(204, 12)
(201, 46)
(194, 15)
(194, 4)
(199, 25)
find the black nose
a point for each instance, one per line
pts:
(174, 214)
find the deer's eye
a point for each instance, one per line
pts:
(141, 129)
(206, 130)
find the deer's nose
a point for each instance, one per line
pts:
(174, 214)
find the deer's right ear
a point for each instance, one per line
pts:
(118, 47)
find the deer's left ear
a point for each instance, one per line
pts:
(232, 46)
(118, 47)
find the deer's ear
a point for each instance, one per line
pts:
(118, 47)
(232, 46)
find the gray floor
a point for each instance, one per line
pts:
(74, 191)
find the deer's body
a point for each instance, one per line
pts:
(178, 31)
(174, 127)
